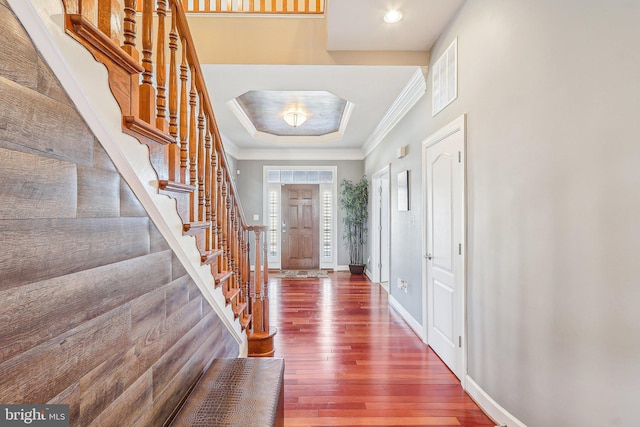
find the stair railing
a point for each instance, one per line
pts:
(165, 104)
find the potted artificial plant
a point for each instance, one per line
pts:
(354, 199)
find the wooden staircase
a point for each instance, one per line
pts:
(172, 115)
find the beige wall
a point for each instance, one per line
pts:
(278, 40)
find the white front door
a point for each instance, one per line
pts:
(445, 246)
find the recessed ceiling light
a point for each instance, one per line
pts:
(393, 16)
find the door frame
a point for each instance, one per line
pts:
(377, 254)
(455, 126)
(326, 262)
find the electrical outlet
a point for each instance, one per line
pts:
(405, 285)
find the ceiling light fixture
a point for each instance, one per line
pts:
(393, 16)
(294, 118)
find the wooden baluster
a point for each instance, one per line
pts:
(262, 6)
(129, 29)
(318, 6)
(218, 6)
(232, 250)
(208, 170)
(265, 280)
(147, 92)
(193, 147)
(243, 269)
(173, 149)
(219, 211)
(161, 73)
(201, 161)
(222, 238)
(273, 6)
(184, 124)
(228, 225)
(258, 320)
(207, 5)
(249, 295)
(239, 254)
(105, 10)
(214, 196)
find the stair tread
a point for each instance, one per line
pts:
(238, 309)
(207, 257)
(245, 321)
(231, 294)
(195, 227)
(147, 130)
(222, 277)
(176, 187)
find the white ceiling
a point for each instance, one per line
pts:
(373, 90)
(358, 24)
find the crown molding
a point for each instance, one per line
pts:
(412, 92)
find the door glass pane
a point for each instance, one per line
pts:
(326, 176)
(300, 176)
(273, 176)
(313, 177)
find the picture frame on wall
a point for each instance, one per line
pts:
(403, 190)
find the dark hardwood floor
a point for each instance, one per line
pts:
(352, 361)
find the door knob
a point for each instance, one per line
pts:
(428, 256)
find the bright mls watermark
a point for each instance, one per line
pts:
(34, 415)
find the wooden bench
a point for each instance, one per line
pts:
(236, 393)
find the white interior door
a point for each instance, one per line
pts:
(445, 231)
(385, 204)
(380, 225)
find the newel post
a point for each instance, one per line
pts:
(260, 335)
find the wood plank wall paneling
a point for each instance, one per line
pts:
(28, 193)
(97, 312)
(40, 125)
(68, 245)
(96, 188)
(102, 160)
(19, 57)
(157, 242)
(130, 206)
(71, 397)
(48, 84)
(47, 369)
(74, 299)
(177, 269)
(177, 294)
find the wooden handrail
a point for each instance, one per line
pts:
(176, 121)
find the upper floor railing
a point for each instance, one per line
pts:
(300, 7)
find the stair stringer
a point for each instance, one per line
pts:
(86, 82)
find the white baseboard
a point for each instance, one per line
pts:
(490, 406)
(406, 316)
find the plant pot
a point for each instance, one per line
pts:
(357, 268)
